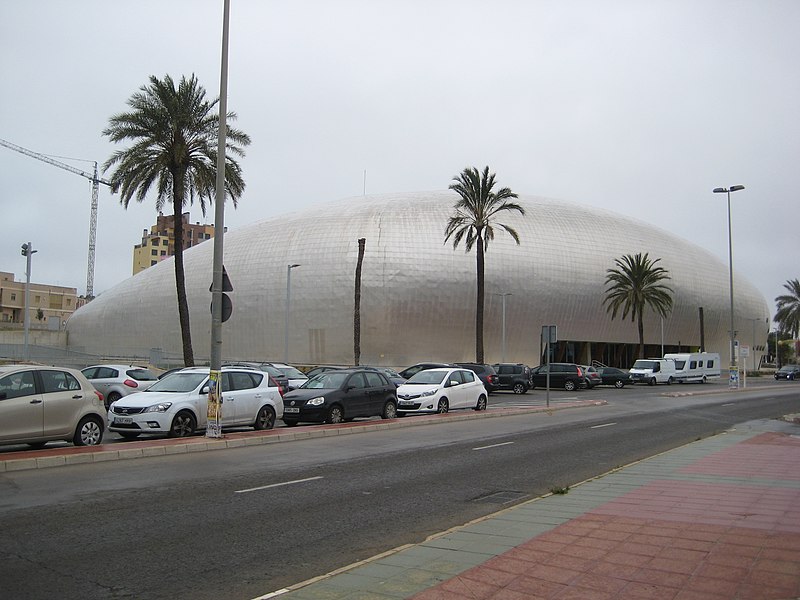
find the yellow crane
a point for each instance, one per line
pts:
(96, 181)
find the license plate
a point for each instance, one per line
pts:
(123, 421)
(405, 402)
(291, 409)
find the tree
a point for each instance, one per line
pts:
(788, 314)
(174, 131)
(635, 284)
(473, 221)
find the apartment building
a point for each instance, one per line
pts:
(159, 242)
(49, 305)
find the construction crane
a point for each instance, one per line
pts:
(96, 181)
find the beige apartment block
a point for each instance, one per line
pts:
(159, 242)
(49, 306)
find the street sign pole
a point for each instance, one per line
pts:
(550, 335)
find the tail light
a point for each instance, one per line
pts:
(493, 378)
(130, 383)
(99, 396)
(279, 386)
(580, 372)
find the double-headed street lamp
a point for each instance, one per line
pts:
(733, 188)
(288, 301)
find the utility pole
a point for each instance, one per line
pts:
(27, 251)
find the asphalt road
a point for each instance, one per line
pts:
(243, 522)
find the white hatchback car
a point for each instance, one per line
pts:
(177, 405)
(439, 390)
(116, 381)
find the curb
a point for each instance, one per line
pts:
(71, 455)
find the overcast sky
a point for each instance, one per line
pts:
(639, 107)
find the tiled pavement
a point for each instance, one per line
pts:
(717, 519)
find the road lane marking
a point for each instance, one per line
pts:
(603, 425)
(274, 485)
(729, 404)
(493, 446)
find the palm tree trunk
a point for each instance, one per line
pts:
(357, 305)
(480, 296)
(180, 276)
(640, 325)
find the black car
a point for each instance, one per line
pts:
(341, 395)
(613, 376)
(485, 373)
(408, 372)
(788, 372)
(513, 376)
(562, 375)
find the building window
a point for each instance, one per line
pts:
(165, 243)
(163, 253)
(154, 252)
(37, 298)
(153, 262)
(69, 301)
(154, 242)
(13, 296)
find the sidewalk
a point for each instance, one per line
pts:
(718, 519)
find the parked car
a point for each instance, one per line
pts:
(439, 390)
(391, 375)
(408, 372)
(341, 395)
(323, 369)
(613, 376)
(39, 404)
(513, 376)
(294, 376)
(486, 373)
(116, 381)
(562, 375)
(591, 375)
(177, 405)
(788, 372)
(281, 380)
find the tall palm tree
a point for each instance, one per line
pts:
(474, 222)
(635, 284)
(174, 131)
(788, 314)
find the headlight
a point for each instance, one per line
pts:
(316, 401)
(428, 393)
(161, 407)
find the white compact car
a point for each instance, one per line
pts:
(439, 390)
(177, 405)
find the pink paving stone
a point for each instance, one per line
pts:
(671, 565)
(603, 583)
(644, 591)
(469, 588)
(661, 578)
(579, 593)
(713, 586)
(536, 587)
(506, 594)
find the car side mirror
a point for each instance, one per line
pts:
(454, 382)
(205, 390)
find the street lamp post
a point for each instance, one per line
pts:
(288, 301)
(734, 375)
(27, 251)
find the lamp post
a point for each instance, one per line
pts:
(734, 375)
(288, 301)
(27, 251)
(503, 347)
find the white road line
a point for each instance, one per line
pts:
(266, 487)
(603, 425)
(729, 404)
(493, 446)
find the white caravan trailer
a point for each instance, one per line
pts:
(695, 366)
(653, 370)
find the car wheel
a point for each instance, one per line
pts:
(265, 419)
(443, 406)
(703, 380)
(519, 388)
(481, 405)
(652, 381)
(619, 384)
(335, 415)
(389, 410)
(183, 425)
(670, 380)
(290, 423)
(89, 432)
(111, 398)
(569, 385)
(129, 435)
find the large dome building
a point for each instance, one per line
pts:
(418, 293)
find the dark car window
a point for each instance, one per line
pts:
(58, 381)
(106, 373)
(17, 385)
(467, 376)
(330, 380)
(357, 381)
(141, 374)
(243, 381)
(375, 380)
(90, 373)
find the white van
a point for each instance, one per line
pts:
(653, 370)
(695, 366)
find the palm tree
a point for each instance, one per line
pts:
(174, 131)
(474, 221)
(634, 285)
(788, 314)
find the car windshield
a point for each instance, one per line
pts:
(292, 373)
(328, 381)
(428, 377)
(178, 382)
(644, 364)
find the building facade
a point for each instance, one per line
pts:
(49, 305)
(418, 292)
(159, 242)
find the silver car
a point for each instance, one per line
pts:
(117, 381)
(39, 404)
